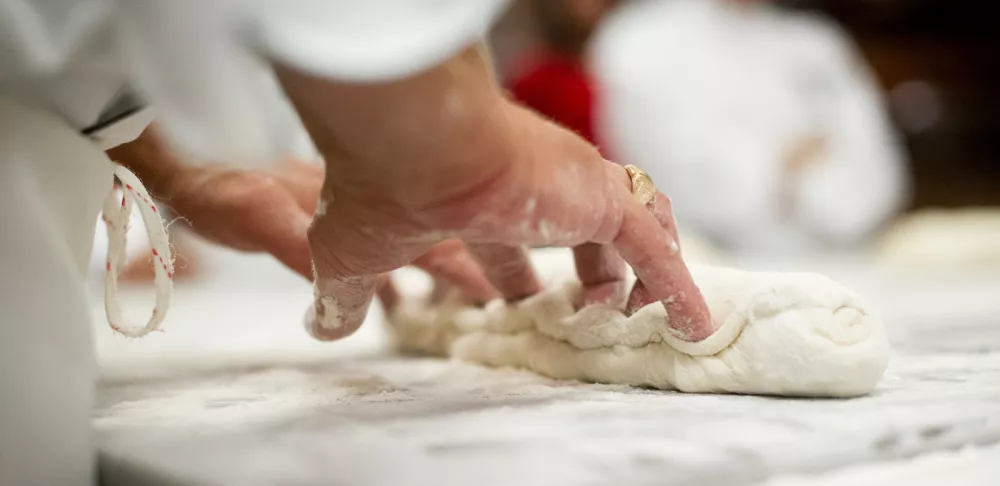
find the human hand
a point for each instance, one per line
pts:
(267, 209)
(443, 157)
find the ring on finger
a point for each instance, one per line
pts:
(642, 185)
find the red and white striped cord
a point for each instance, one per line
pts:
(116, 215)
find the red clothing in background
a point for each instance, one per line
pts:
(557, 86)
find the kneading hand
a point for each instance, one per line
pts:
(443, 158)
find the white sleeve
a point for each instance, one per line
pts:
(42, 37)
(371, 40)
(60, 56)
(203, 62)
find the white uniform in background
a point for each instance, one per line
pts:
(71, 75)
(709, 96)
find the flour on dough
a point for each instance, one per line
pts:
(791, 334)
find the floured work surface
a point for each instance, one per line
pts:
(228, 395)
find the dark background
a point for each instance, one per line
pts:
(950, 50)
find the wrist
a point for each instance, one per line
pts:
(150, 158)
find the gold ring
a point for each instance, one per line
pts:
(642, 184)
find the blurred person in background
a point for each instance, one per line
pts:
(766, 125)
(553, 78)
(426, 163)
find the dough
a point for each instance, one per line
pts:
(791, 334)
(944, 241)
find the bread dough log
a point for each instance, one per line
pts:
(790, 334)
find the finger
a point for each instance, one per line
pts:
(687, 328)
(653, 252)
(286, 238)
(602, 273)
(388, 294)
(340, 306)
(347, 268)
(305, 182)
(663, 210)
(508, 269)
(440, 290)
(302, 180)
(638, 298)
(452, 263)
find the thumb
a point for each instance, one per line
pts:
(347, 263)
(340, 305)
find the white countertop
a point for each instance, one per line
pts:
(234, 392)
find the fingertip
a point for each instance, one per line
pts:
(688, 317)
(340, 306)
(324, 326)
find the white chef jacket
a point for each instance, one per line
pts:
(707, 96)
(202, 62)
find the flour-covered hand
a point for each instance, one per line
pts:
(443, 156)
